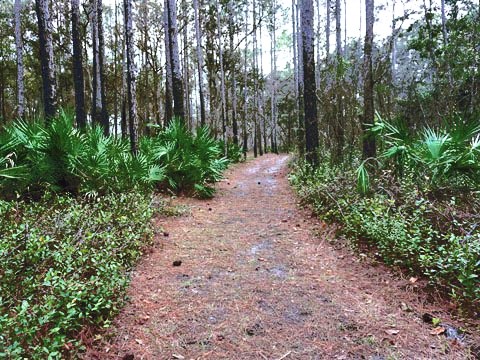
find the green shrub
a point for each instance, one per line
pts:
(190, 162)
(234, 151)
(58, 157)
(404, 226)
(447, 157)
(64, 265)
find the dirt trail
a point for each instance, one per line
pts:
(260, 280)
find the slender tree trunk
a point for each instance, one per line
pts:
(255, 82)
(394, 44)
(245, 89)
(327, 28)
(338, 127)
(369, 146)
(101, 67)
(46, 58)
(310, 99)
(177, 83)
(444, 23)
(298, 125)
(78, 80)
(274, 81)
(97, 92)
(338, 28)
(318, 38)
(261, 99)
(131, 78)
(115, 71)
(301, 102)
(198, 34)
(231, 31)
(20, 68)
(222, 76)
(123, 124)
(168, 70)
(345, 28)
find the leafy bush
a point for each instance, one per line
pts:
(447, 157)
(234, 151)
(64, 265)
(58, 157)
(190, 162)
(404, 226)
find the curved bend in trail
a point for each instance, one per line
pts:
(259, 280)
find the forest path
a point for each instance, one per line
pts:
(259, 279)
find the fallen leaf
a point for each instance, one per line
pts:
(178, 356)
(413, 279)
(437, 331)
(392, 331)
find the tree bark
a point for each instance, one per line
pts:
(20, 68)
(300, 90)
(444, 24)
(101, 60)
(201, 90)
(245, 89)
(96, 93)
(327, 28)
(131, 78)
(273, 101)
(222, 76)
(338, 28)
(369, 146)
(47, 59)
(177, 85)
(168, 70)
(232, 72)
(310, 99)
(78, 79)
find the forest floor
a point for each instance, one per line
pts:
(261, 278)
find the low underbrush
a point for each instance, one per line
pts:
(436, 237)
(64, 266)
(57, 157)
(75, 215)
(416, 205)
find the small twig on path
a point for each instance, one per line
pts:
(284, 356)
(263, 356)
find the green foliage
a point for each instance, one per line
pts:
(60, 158)
(64, 265)
(190, 162)
(234, 152)
(402, 225)
(447, 157)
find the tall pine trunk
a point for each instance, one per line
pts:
(96, 93)
(101, 59)
(20, 68)
(222, 77)
(201, 90)
(78, 79)
(168, 69)
(47, 59)
(300, 89)
(310, 99)
(231, 31)
(245, 89)
(131, 77)
(369, 146)
(177, 83)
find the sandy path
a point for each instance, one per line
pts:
(260, 280)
